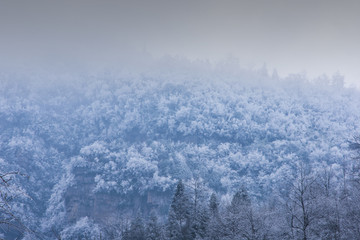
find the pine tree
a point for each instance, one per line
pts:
(240, 221)
(179, 215)
(136, 231)
(153, 230)
(199, 213)
(200, 224)
(240, 201)
(214, 227)
(213, 206)
(234, 216)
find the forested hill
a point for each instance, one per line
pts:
(110, 145)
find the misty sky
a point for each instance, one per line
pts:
(316, 37)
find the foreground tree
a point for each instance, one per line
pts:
(214, 228)
(199, 213)
(179, 225)
(136, 230)
(302, 204)
(8, 220)
(350, 195)
(328, 206)
(240, 220)
(153, 229)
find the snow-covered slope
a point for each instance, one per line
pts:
(124, 139)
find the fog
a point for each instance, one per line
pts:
(311, 37)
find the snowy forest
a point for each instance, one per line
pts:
(179, 150)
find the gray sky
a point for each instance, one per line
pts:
(316, 37)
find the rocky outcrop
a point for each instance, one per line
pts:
(109, 207)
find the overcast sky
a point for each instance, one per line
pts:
(312, 36)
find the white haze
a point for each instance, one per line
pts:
(309, 37)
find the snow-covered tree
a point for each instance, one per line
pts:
(215, 228)
(84, 228)
(154, 230)
(179, 221)
(302, 204)
(136, 230)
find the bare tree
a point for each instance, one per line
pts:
(8, 192)
(302, 204)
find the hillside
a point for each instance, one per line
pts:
(113, 145)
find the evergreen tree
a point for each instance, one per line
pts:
(240, 220)
(199, 213)
(136, 231)
(179, 215)
(213, 206)
(153, 230)
(240, 201)
(214, 227)
(200, 224)
(233, 217)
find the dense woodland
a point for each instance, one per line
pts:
(178, 150)
(313, 209)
